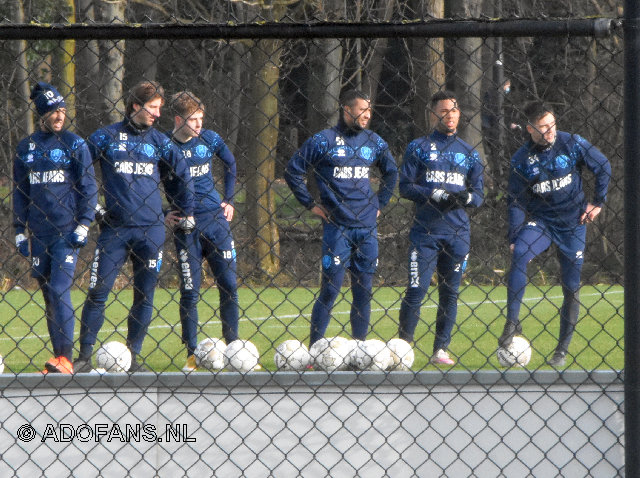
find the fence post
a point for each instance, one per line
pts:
(632, 237)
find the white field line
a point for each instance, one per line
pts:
(293, 316)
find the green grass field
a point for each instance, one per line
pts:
(270, 315)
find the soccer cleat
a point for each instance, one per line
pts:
(82, 366)
(558, 359)
(137, 367)
(511, 329)
(441, 357)
(190, 366)
(59, 365)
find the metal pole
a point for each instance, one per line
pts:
(631, 27)
(598, 27)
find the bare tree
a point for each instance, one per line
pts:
(112, 64)
(427, 61)
(263, 138)
(22, 73)
(326, 71)
(87, 61)
(467, 78)
(65, 63)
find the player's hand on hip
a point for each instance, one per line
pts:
(321, 212)
(22, 244)
(227, 210)
(590, 214)
(172, 218)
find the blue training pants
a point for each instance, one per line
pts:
(447, 254)
(143, 245)
(355, 248)
(53, 265)
(533, 239)
(211, 240)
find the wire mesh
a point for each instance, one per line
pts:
(263, 99)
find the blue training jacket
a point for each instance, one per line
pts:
(340, 159)
(133, 163)
(55, 185)
(546, 184)
(198, 154)
(444, 162)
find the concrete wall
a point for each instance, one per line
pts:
(341, 425)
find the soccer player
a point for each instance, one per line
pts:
(442, 174)
(340, 158)
(547, 205)
(134, 159)
(54, 198)
(211, 239)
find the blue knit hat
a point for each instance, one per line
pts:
(46, 98)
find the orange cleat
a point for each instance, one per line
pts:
(59, 365)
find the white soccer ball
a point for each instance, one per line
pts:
(371, 354)
(402, 355)
(518, 353)
(113, 357)
(209, 354)
(241, 356)
(292, 355)
(330, 354)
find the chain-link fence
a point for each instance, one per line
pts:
(284, 188)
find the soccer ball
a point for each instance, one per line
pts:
(292, 355)
(209, 354)
(371, 354)
(113, 357)
(518, 353)
(402, 355)
(241, 356)
(330, 354)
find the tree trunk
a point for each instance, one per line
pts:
(24, 113)
(428, 66)
(468, 81)
(234, 60)
(88, 63)
(263, 127)
(65, 61)
(112, 65)
(325, 80)
(373, 68)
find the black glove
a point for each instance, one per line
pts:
(101, 214)
(461, 199)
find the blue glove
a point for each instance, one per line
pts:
(22, 244)
(78, 238)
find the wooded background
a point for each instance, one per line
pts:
(265, 97)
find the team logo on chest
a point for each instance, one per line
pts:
(366, 153)
(57, 155)
(201, 151)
